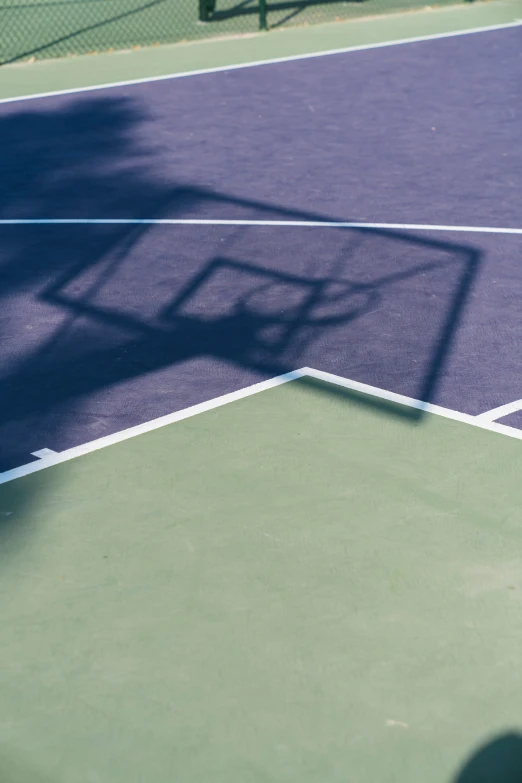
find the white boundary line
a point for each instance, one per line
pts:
(501, 411)
(273, 223)
(273, 61)
(305, 372)
(148, 426)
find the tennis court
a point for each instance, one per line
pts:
(261, 421)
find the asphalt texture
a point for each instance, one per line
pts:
(103, 327)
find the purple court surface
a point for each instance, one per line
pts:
(106, 326)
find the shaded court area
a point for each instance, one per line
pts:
(311, 580)
(105, 327)
(306, 583)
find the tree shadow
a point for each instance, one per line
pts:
(106, 326)
(89, 308)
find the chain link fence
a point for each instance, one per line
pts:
(31, 29)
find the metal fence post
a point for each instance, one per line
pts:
(263, 8)
(206, 9)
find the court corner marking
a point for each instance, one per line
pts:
(43, 453)
(495, 414)
(55, 458)
(271, 61)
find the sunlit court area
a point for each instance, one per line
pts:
(260, 391)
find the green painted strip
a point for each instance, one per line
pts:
(75, 72)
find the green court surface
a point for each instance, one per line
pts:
(46, 28)
(307, 585)
(155, 61)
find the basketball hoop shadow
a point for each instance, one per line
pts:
(272, 316)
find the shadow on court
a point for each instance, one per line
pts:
(103, 327)
(60, 28)
(281, 12)
(499, 761)
(106, 326)
(289, 8)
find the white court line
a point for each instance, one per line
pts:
(305, 372)
(42, 453)
(273, 61)
(503, 410)
(273, 223)
(148, 426)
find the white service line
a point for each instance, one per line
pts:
(269, 223)
(498, 413)
(305, 372)
(273, 61)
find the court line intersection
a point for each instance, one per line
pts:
(50, 458)
(503, 410)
